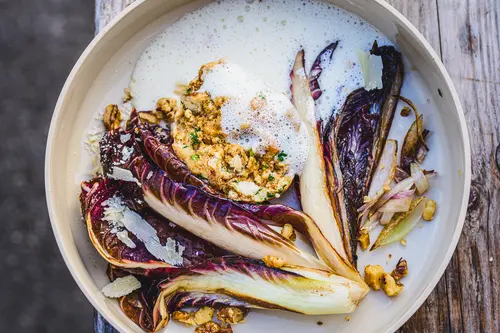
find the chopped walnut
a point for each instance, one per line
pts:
(390, 286)
(184, 317)
(112, 117)
(401, 270)
(203, 315)
(209, 327)
(148, 117)
(167, 108)
(128, 96)
(373, 276)
(364, 240)
(429, 210)
(274, 262)
(231, 315)
(288, 232)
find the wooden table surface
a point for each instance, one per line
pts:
(466, 34)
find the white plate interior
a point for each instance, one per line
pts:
(100, 81)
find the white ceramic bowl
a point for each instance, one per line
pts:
(98, 79)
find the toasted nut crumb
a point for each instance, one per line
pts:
(390, 286)
(244, 126)
(112, 117)
(288, 232)
(184, 317)
(429, 209)
(209, 327)
(403, 242)
(226, 329)
(148, 117)
(348, 318)
(373, 276)
(364, 240)
(128, 96)
(272, 261)
(405, 111)
(167, 108)
(401, 270)
(203, 315)
(231, 315)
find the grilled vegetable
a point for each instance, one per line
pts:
(317, 67)
(222, 221)
(314, 190)
(295, 289)
(360, 132)
(401, 224)
(120, 246)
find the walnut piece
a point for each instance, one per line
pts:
(203, 315)
(288, 232)
(209, 327)
(112, 117)
(364, 240)
(148, 117)
(184, 317)
(231, 315)
(166, 108)
(401, 270)
(274, 262)
(429, 210)
(373, 276)
(390, 286)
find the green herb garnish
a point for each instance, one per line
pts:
(261, 95)
(270, 178)
(188, 91)
(270, 195)
(185, 146)
(265, 166)
(281, 156)
(251, 152)
(195, 140)
(258, 191)
(195, 157)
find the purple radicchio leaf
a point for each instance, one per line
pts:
(317, 67)
(103, 234)
(225, 223)
(252, 283)
(359, 133)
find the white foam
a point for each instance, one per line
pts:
(261, 37)
(255, 116)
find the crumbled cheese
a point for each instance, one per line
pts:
(371, 66)
(123, 174)
(121, 287)
(125, 137)
(123, 236)
(126, 153)
(122, 217)
(149, 175)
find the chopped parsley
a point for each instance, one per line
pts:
(258, 191)
(185, 147)
(261, 95)
(281, 189)
(265, 166)
(281, 156)
(270, 195)
(195, 157)
(188, 91)
(270, 178)
(251, 152)
(195, 140)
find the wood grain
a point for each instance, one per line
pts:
(465, 33)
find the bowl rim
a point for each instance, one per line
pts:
(111, 317)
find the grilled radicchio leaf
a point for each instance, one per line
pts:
(359, 133)
(222, 221)
(105, 202)
(306, 291)
(315, 197)
(317, 68)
